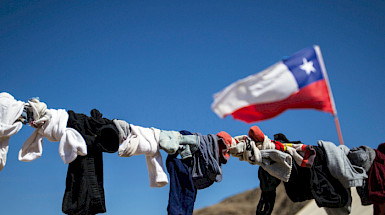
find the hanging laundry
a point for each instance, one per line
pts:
(192, 173)
(10, 111)
(297, 188)
(363, 156)
(340, 167)
(299, 185)
(277, 163)
(182, 190)
(54, 128)
(39, 111)
(23, 117)
(326, 190)
(84, 192)
(138, 140)
(123, 128)
(376, 185)
(268, 185)
(205, 166)
(224, 143)
(174, 142)
(27, 114)
(342, 210)
(301, 153)
(305, 184)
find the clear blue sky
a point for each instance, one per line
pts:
(158, 63)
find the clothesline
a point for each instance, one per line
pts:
(325, 172)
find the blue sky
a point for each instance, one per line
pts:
(158, 64)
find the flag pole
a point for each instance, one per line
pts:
(336, 121)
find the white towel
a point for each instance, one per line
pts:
(146, 141)
(54, 129)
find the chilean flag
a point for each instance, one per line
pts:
(299, 81)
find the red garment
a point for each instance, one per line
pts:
(256, 134)
(279, 146)
(376, 185)
(224, 143)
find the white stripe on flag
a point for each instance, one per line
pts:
(272, 84)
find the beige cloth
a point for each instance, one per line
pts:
(139, 140)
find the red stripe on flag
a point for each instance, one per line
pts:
(315, 96)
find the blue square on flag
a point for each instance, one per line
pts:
(305, 67)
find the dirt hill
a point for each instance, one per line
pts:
(246, 203)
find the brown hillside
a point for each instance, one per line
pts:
(246, 203)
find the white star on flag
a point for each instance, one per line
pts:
(307, 66)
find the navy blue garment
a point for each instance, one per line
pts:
(182, 190)
(84, 192)
(184, 132)
(206, 167)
